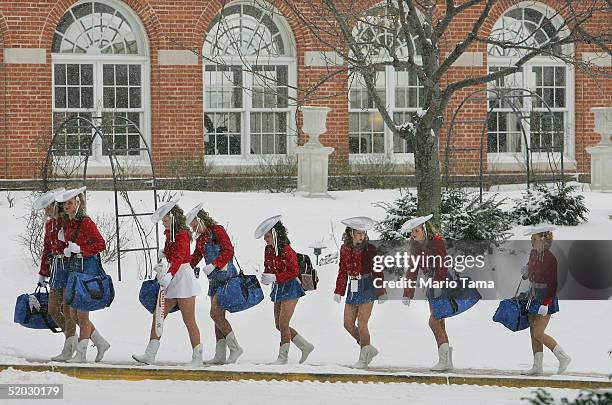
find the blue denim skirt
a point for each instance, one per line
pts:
(365, 292)
(59, 275)
(553, 308)
(289, 290)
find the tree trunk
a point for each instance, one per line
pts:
(427, 168)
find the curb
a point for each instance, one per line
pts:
(151, 373)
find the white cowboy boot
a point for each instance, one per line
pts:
(220, 356)
(150, 352)
(235, 349)
(101, 344)
(371, 351)
(68, 350)
(564, 359)
(305, 346)
(196, 357)
(537, 368)
(443, 363)
(81, 352)
(283, 355)
(363, 355)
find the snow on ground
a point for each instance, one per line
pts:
(401, 334)
(269, 392)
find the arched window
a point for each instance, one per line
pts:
(100, 70)
(378, 33)
(546, 116)
(249, 77)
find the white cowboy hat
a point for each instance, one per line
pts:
(68, 194)
(193, 213)
(359, 223)
(266, 225)
(414, 222)
(539, 229)
(47, 199)
(163, 210)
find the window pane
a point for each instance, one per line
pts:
(74, 97)
(121, 75)
(134, 75)
(86, 97)
(87, 75)
(73, 74)
(60, 97)
(59, 74)
(134, 97)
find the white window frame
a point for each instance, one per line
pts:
(97, 160)
(510, 160)
(245, 158)
(390, 83)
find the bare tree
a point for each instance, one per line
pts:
(424, 28)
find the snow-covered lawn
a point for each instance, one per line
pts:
(401, 334)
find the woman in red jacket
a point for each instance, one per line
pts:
(215, 246)
(83, 244)
(281, 269)
(426, 241)
(541, 271)
(51, 265)
(356, 269)
(177, 278)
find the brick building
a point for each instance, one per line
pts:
(156, 63)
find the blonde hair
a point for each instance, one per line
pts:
(547, 237)
(429, 229)
(207, 221)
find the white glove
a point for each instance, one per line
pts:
(268, 278)
(60, 235)
(165, 280)
(33, 302)
(543, 310)
(72, 248)
(209, 268)
(160, 270)
(160, 254)
(42, 281)
(382, 299)
(406, 301)
(337, 298)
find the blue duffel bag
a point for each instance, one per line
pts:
(148, 295)
(37, 319)
(512, 313)
(88, 288)
(454, 301)
(239, 293)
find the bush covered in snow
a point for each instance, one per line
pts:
(554, 205)
(587, 397)
(463, 217)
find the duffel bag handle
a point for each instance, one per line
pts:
(96, 295)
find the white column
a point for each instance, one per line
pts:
(313, 158)
(601, 154)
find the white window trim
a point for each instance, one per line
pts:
(389, 155)
(246, 158)
(102, 166)
(529, 83)
(97, 159)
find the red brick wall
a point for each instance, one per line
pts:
(176, 91)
